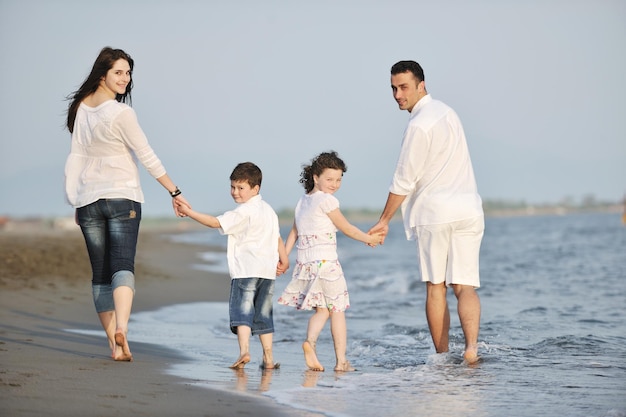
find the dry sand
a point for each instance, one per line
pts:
(46, 371)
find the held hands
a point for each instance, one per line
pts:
(181, 206)
(380, 229)
(376, 239)
(281, 268)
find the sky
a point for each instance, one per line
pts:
(539, 86)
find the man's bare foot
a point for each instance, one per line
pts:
(471, 355)
(344, 367)
(310, 357)
(120, 341)
(241, 361)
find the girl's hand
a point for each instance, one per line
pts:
(379, 229)
(377, 239)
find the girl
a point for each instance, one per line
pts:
(318, 282)
(102, 183)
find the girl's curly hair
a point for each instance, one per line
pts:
(318, 164)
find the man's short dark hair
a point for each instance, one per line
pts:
(408, 66)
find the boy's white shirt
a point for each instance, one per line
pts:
(253, 233)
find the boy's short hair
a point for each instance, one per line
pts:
(247, 172)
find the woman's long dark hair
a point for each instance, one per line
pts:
(318, 165)
(103, 64)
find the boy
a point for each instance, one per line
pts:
(256, 254)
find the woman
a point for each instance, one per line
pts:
(102, 183)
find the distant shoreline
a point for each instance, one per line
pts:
(174, 224)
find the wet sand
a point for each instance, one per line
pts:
(44, 370)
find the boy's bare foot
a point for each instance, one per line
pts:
(266, 379)
(267, 362)
(270, 365)
(471, 355)
(241, 361)
(120, 341)
(310, 357)
(344, 367)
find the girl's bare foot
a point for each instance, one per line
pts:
(120, 341)
(241, 361)
(344, 367)
(310, 357)
(310, 378)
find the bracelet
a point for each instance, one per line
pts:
(175, 193)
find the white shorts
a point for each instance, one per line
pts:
(449, 252)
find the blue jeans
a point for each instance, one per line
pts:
(110, 228)
(250, 304)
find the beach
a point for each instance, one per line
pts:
(45, 289)
(551, 343)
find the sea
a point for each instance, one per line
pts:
(552, 337)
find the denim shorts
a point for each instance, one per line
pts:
(110, 228)
(251, 304)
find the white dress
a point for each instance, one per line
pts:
(318, 279)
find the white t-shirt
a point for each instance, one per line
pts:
(253, 233)
(105, 143)
(434, 170)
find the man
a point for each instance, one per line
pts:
(435, 186)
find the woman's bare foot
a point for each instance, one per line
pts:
(344, 367)
(310, 357)
(471, 354)
(112, 346)
(122, 344)
(241, 361)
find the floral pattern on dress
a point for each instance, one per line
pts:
(315, 284)
(311, 241)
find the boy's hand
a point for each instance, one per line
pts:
(281, 268)
(182, 208)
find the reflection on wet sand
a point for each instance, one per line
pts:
(264, 383)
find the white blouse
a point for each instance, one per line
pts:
(107, 142)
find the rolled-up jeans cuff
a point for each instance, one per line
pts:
(103, 297)
(123, 279)
(103, 293)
